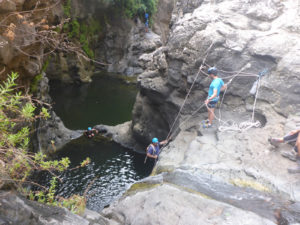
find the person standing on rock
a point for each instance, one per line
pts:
(293, 136)
(153, 149)
(146, 22)
(216, 86)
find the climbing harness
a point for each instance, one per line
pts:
(147, 149)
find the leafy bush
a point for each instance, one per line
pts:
(74, 29)
(67, 8)
(136, 7)
(17, 113)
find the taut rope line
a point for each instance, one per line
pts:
(186, 97)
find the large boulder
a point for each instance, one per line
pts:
(125, 43)
(168, 204)
(7, 6)
(15, 209)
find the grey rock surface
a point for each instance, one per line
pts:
(7, 6)
(52, 135)
(121, 134)
(162, 18)
(124, 43)
(18, 210)
(161, 205)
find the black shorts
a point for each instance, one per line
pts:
(212, 104)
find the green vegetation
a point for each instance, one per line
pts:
(17, 114)
(75, 29)
(67, 8)
(134, 8)
(84, 33)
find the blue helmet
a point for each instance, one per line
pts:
(89, 128)
(212, 70)
(154, 140)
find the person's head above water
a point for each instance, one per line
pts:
(89, 128)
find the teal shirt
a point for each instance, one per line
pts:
(216, 84)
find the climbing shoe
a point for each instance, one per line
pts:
(207, 125)
(289, 155)
(297, 169)
(205, 121)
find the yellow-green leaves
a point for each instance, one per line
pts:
(17, 113)
(85, 162)
(45, 113)
(28, 111)
(18, 138)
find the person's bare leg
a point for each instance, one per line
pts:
(297, 169)
(208, 115)
(298, 145)
(211, 115)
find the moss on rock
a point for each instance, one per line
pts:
(137, 187)
(251, 184)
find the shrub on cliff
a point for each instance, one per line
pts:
(134, 8)
(17, 114)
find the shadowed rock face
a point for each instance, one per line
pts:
(246, 36)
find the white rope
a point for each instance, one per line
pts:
(188, 118)
(245, 125)
(229, 82)
(186, 97)
(241, 127)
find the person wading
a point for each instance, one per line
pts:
(216, 86)
(91, 132)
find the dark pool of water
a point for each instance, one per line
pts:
(111, 171)
(106, 100)
(113, 168)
